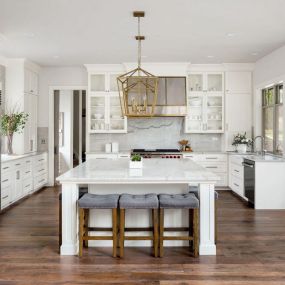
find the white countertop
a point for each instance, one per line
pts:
(265, 158)
(154, 171)
(7, 158)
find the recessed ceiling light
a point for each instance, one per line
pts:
(56, 56)
(210, 56)
(231, 35)
(254, 53)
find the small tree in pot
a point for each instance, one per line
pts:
(10, 123)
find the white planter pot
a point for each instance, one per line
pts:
(241, 148)
(136, 164)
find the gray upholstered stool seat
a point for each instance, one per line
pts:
(94, 201)
(147, 201)
(194, 190)
(178, 201)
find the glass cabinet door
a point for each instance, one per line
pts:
(195, 112)
(215, 82)
(117, 121)
(113, 86)
(97, 113)
(97, 82)
(195, 82)
(214, 113)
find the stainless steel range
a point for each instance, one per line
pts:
(159, 153)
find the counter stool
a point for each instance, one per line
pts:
(179, 201)
(82, 191)
(194, 189)
(148, 201)
(93, 201)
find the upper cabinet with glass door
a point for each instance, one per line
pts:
(103, 82)
(105, 114)
(205, 103)
(206, 82)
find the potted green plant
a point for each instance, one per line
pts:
(241, 142)
(136, 161)
(10, 123)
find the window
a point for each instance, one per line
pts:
(272, 115)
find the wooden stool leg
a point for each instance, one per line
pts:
(155, 231)
(81, 231)
(86, 225)
(114, 223)
(216, 222)
(122, 232)
(196, 232)
(191, 243)
(161, 230)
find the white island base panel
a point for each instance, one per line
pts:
(138, 218)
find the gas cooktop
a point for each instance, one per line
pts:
(158, 153)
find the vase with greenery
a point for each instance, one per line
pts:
(241, 142)
(136, 161)
(10, 123)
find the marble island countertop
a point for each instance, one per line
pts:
(154, 171)
(264, 158)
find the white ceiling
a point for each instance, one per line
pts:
(73, 32)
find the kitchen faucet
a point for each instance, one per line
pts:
(262, 151)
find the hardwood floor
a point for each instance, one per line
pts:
(251, 250)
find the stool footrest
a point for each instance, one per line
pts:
(96, 229)
(177, 238)
(97, 238)
(138, 238)
(146, 229)
(173, 229)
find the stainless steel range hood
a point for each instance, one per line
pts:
(171, 99)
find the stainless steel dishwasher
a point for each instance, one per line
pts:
(249, 180)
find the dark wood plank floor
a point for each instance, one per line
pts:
(251, 250)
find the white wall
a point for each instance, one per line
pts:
(66, 151)
(268, 70)
(56, 76)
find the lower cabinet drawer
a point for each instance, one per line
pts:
(27, 185)
(214, 166)
(237, 186)
(40, 181)
(40, 169)
(6, 196)
(236, 170)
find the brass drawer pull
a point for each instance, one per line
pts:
(5, 180)
(236, 184)
(5, 197)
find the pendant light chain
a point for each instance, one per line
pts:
(139, 43)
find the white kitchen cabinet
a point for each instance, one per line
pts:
(238, 106)
(236, 175)
(211, 82)
(21, 93)
(31, 82)
(103, 82)
(216, 163)
(21, 177)
(104, 108)
(238, 81)
(205, 113)
(205, 103)
(105, 114)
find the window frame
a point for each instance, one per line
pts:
(274, 105)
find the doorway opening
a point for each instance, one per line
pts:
(69, 130)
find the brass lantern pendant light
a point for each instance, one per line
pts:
(138, 88)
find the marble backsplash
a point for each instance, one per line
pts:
(156, 133)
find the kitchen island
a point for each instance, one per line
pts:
(156, 176)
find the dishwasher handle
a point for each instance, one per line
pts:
(248, 165)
